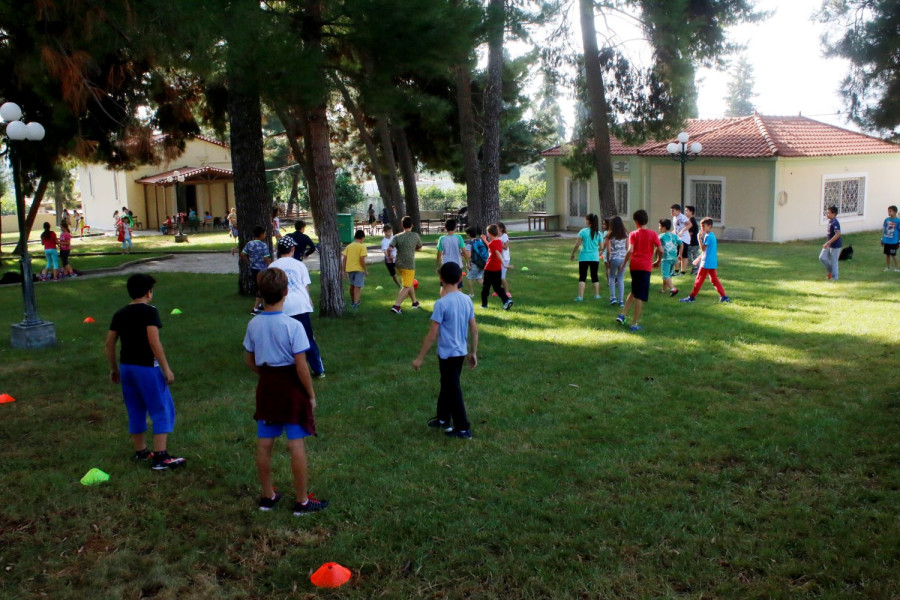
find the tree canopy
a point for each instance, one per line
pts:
(740, 89)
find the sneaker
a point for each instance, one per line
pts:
(896, 270)
(312, 505)
(613, 302)
(621, 304)
(725, 299)
(354, 305)
(635, 328)
(416, 305)
(677, 274)
(267, 504)
(888, 269)
(620, 319)
(688, 299)
(673, 293)
(579, 299)
(440, 423)
(396, 309)
(828, 276)
(508, 304)
(484, 306)
(464, 434)
(596, 297)
(162, 461)
(144, 454)
(471, 295)
(319, 375)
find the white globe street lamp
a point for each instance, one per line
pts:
(681, 152)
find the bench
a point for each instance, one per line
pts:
(737, 234)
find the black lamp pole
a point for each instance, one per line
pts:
(681, 152)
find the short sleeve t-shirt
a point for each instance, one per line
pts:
(834, 227)
(493, 263)
(453, 313)
(590, 245)
(695, 229)
(618, 248)
(642, 242)
(304, 247)
(389, 253)
(65, 241)
(257, 251)
(682, 227)
(452, 246)
(406, 244)
(354, 252)
(48, 238)
(131, 323)
(890, 231)
(297, 301)
(670, 243)
(275, 339)
(505, 239)
(711, 254)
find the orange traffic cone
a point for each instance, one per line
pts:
(4, 398)
(88, 320)
(331, 575)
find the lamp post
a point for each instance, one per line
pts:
(681, 152)
(178, 178)
(33, 332)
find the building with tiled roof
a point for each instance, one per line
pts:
(760, 177)
(202, 171)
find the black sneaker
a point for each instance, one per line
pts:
(415, 305)
(445, 425)
(144, 454)
(162, 461)
(267, 504)
(312, 505)
(465, 434)
(508, 304)
(396, 309)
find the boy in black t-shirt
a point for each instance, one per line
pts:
(143, 373)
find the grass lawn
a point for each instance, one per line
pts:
(748, 450)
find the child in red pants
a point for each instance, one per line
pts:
(708, 261)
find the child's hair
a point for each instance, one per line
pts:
(299, 224)
(594, 222)
(832, 209)
(892, 207)
(64, 225)
(450, 225)
(359, 235)
(473, 231)
(406, 222)
(387, 227)
(272, 283)
(46, 233)
(641, 217)
(493, 230)
(676, 207)
(604, 224)
(275, 211)
(666, 224)
(690, 208)
(502, 226)
(451, 273)
(258, 231)
(617, 229)
(706, 221)
(139, 284)
(46, 226)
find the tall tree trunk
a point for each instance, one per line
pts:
(390, 168)
(33, 211)
(372, 150)
(408, 171)
(245, 120)
(490, 151)
(295, 189)
(58, 201)
(599, 109)
(471, 165)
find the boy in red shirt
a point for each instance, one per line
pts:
(493, 270)
(644, 252)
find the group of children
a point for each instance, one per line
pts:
(56, 251)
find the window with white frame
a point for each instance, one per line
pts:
(621, 197)
(708, 197)
(846, 192)
(578, 198)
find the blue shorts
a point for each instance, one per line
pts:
(145, 393)
(666, 268)
(357, 278)
(52, 258)
(268, 429)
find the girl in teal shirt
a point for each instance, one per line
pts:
(589, 240)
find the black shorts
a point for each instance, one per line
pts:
(254, 285)
(583, 269)
(64, 257)
(640, 285)
(891, 249)
(392, 269)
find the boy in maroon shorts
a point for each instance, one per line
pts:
(644, 252)
(276, 346)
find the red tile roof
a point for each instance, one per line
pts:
(161, 136)
(191, 174)
(758, 136)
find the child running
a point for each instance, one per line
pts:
(256, 253)
(708, 262)
(354, 264)
(644, 251)
(453, 316)
(670, 253)
(275, 347)
(390, 253)
(616, 246)
(493, 269)
(144, 373)
(589, 240)
(406, 244)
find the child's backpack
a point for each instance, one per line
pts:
(480, 254)
(846, 253)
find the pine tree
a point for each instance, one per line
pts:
(740, 89)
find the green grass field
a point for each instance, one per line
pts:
(748, 450)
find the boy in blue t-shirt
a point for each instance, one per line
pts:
(708, 261)
(256, 253)
(831, 249)
(670, 246)
(453, 318)
(890, 238)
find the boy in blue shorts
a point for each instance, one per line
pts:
(890, 238)
(670, 248)
(144, 373)
(452, 324)
(276, 346)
